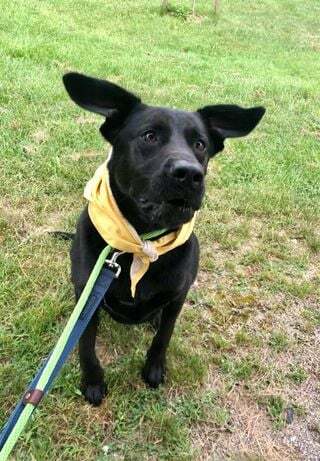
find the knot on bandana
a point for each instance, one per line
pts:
(118, 232)
(149, 250)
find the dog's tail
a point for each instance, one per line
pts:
(62, 235)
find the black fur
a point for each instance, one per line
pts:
(157, 171)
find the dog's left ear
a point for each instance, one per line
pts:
(230, 121)
(102, 97)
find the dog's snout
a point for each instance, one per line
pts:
(186, 173)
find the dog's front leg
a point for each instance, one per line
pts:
(93, 386)
(153, 372)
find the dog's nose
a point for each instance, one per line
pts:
(186, 173)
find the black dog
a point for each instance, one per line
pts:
(156, 172)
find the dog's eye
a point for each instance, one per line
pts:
(200, 145)
(150, 137)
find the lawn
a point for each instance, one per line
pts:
(243, 365)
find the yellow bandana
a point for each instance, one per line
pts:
(118, 232)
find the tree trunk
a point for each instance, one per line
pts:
(164, 5)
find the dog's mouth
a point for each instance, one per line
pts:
(180, 204)
(178, 210)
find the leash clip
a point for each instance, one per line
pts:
(113, 265)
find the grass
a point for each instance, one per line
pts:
(275, 408)
(245, 348)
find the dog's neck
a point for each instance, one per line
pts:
(129, 209)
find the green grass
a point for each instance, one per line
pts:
(275, 407)
(278, 341)
(297, 374)
(254, 310)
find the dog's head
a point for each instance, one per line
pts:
(160, 155)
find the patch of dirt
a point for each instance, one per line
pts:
(103, 352)
(249, 434)
(86, 119)
(304, 433)
(21, 223)
(85, 154)
(37, 138)
(40, 136)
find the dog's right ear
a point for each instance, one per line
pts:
(101, 97)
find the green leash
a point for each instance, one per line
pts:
(52, 362)
(59, 347)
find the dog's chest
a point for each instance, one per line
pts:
(153, 291)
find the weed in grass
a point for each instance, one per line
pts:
(310, 236)
(171, 435)
(253, 257)
(300, 289)
(144, 424)
(230, 266)
(139, 404)
(238, 369)
(246, 338)
(242, 337)
(190, 408)
(312, 315)
(177, 11)
(313, 241)
(299, 410)
(203, 409)
(186, 367)
(297, 374)
(200, 298)
(221, 417)
(220, 342)
(275, 406)
(278, 341)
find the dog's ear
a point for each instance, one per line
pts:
(230, 121)
(101, 97)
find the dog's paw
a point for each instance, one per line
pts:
(153, 373)
(94, 393)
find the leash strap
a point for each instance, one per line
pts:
(93, 293)
(96, 287)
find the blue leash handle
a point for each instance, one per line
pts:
(97, 294)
